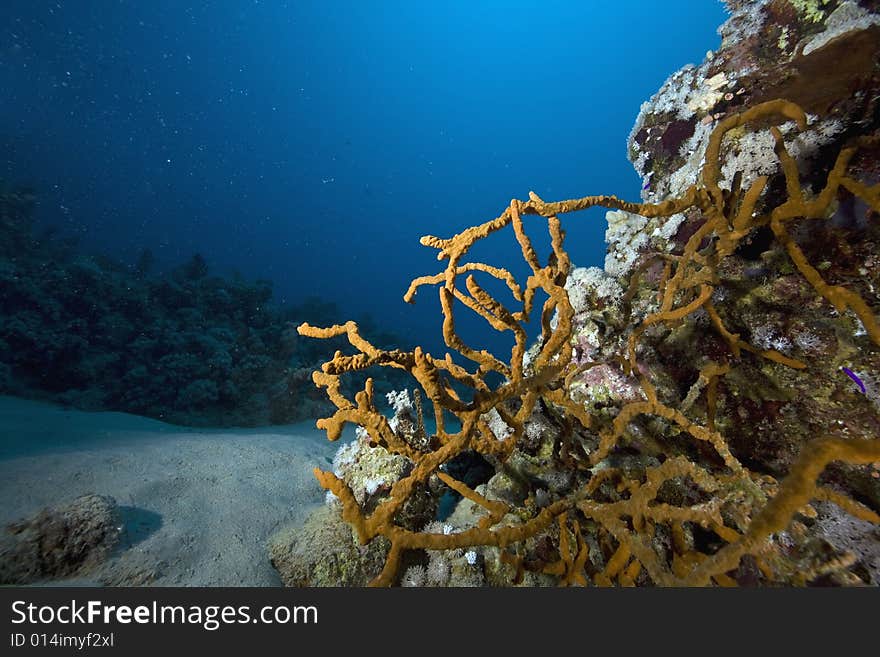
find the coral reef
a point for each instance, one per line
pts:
(187, 347)
(683, 418)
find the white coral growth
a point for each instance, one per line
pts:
(500, 429)
(625, 238)
(400, 402)
(585, 282)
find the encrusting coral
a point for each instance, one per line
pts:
(682, 511)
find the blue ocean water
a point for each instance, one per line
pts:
(313, 143)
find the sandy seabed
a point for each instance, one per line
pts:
(197, 506)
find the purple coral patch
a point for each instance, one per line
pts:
(675, 135)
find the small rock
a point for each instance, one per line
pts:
(59, 542)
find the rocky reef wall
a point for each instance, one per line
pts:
(705, 410)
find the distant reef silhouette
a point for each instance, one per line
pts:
(186, 346)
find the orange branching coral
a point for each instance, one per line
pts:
(629, 510)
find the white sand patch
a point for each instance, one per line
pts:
(198, 505)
